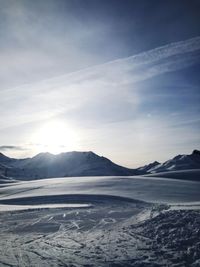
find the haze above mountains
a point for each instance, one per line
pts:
(70, 164)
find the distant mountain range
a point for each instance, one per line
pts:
(46, 165)
(178, 163)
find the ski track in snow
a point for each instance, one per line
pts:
(104, 230)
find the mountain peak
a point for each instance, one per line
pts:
(43, 154)
(149, 166)
(155, 162)
(196, 152)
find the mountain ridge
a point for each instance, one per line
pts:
(86, 163)
(74, 163)
(178, 163)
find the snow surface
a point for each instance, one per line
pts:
(193, 175)
(41, 206)
(100, 221)
(147, 189)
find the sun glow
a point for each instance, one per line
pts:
(55, 137)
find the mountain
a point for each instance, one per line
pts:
(46, 165)
(148, 167)
(180, 162)
(4, 159)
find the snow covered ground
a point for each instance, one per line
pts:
(100, 221)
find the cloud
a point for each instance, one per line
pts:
(106, 89)
(5, 148)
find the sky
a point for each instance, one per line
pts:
(120, 78)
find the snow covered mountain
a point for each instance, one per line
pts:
(148, 167)
(46, 165)
(180, 162)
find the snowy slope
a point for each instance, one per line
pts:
(148, 189)
(99, 221)
(190, 175)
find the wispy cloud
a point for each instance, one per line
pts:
(5, 148)
(95, 86)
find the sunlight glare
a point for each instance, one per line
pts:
(55, 137)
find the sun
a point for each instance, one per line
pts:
(55, 137)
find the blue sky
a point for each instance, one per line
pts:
(120, 78)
